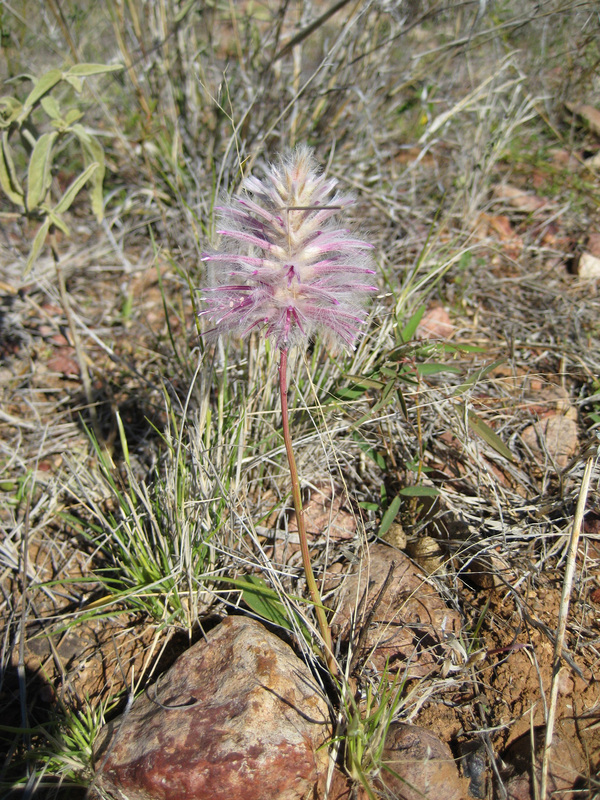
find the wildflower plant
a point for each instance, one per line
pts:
(288, 270)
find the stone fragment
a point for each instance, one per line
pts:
(64, 363)
(426, 551)
(395, 535)
(326, 514)
(423, 765)
(489, 572)
(435, 324)
(237, 716)
(588, 266)
(474, 766)
(554, 437)
(411, 620)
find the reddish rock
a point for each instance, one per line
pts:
(326, 514)
(436, 324)
(411, 620)
(423, 766)
(63, 363)
(237, 716)
(554, 437)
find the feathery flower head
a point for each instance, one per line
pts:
(286, 267)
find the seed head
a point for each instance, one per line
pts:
(286, 268)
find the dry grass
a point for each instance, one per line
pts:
(421, 110)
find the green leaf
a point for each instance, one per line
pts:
(368, 383)
(51, 107)
(83, 70)
(409, 330)
(123, 439)
(389, 516)
(72, 115)
(480, 427)
(431, 368)
(463, 348)
(477, 376)
(369, 506)
(75, 82)
(263, 600)
(57, 221)
(370, 451)
(349, 392)
(73, 190)
(93, 151)
(39, 176)
(10, 108)
(37, 245)
(8, 177)
(419, 491)
(40, 88)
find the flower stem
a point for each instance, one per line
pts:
(308, 572)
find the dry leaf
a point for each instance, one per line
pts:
(519, 199)
(590, 114)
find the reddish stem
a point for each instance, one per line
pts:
(297, 497)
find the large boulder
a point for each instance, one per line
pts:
(238, 715)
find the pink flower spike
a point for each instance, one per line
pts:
(286, 268)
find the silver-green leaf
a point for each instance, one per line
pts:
(37, 245)
(8, 176)
(40, 88)
(39, 176)
(93, 151)
(73, 190)
(83, 70)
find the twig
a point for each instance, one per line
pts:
(562, 619)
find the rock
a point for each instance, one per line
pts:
(326, 513)
(435, 324)
(426, 551)
(410, 621)
(474, 766)
(343, 788)
(554, 437)
(237, 716)
(565, 767)
(588, 266)
(489, 572)
(63, 362)
(395, 536)
(423, 765)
